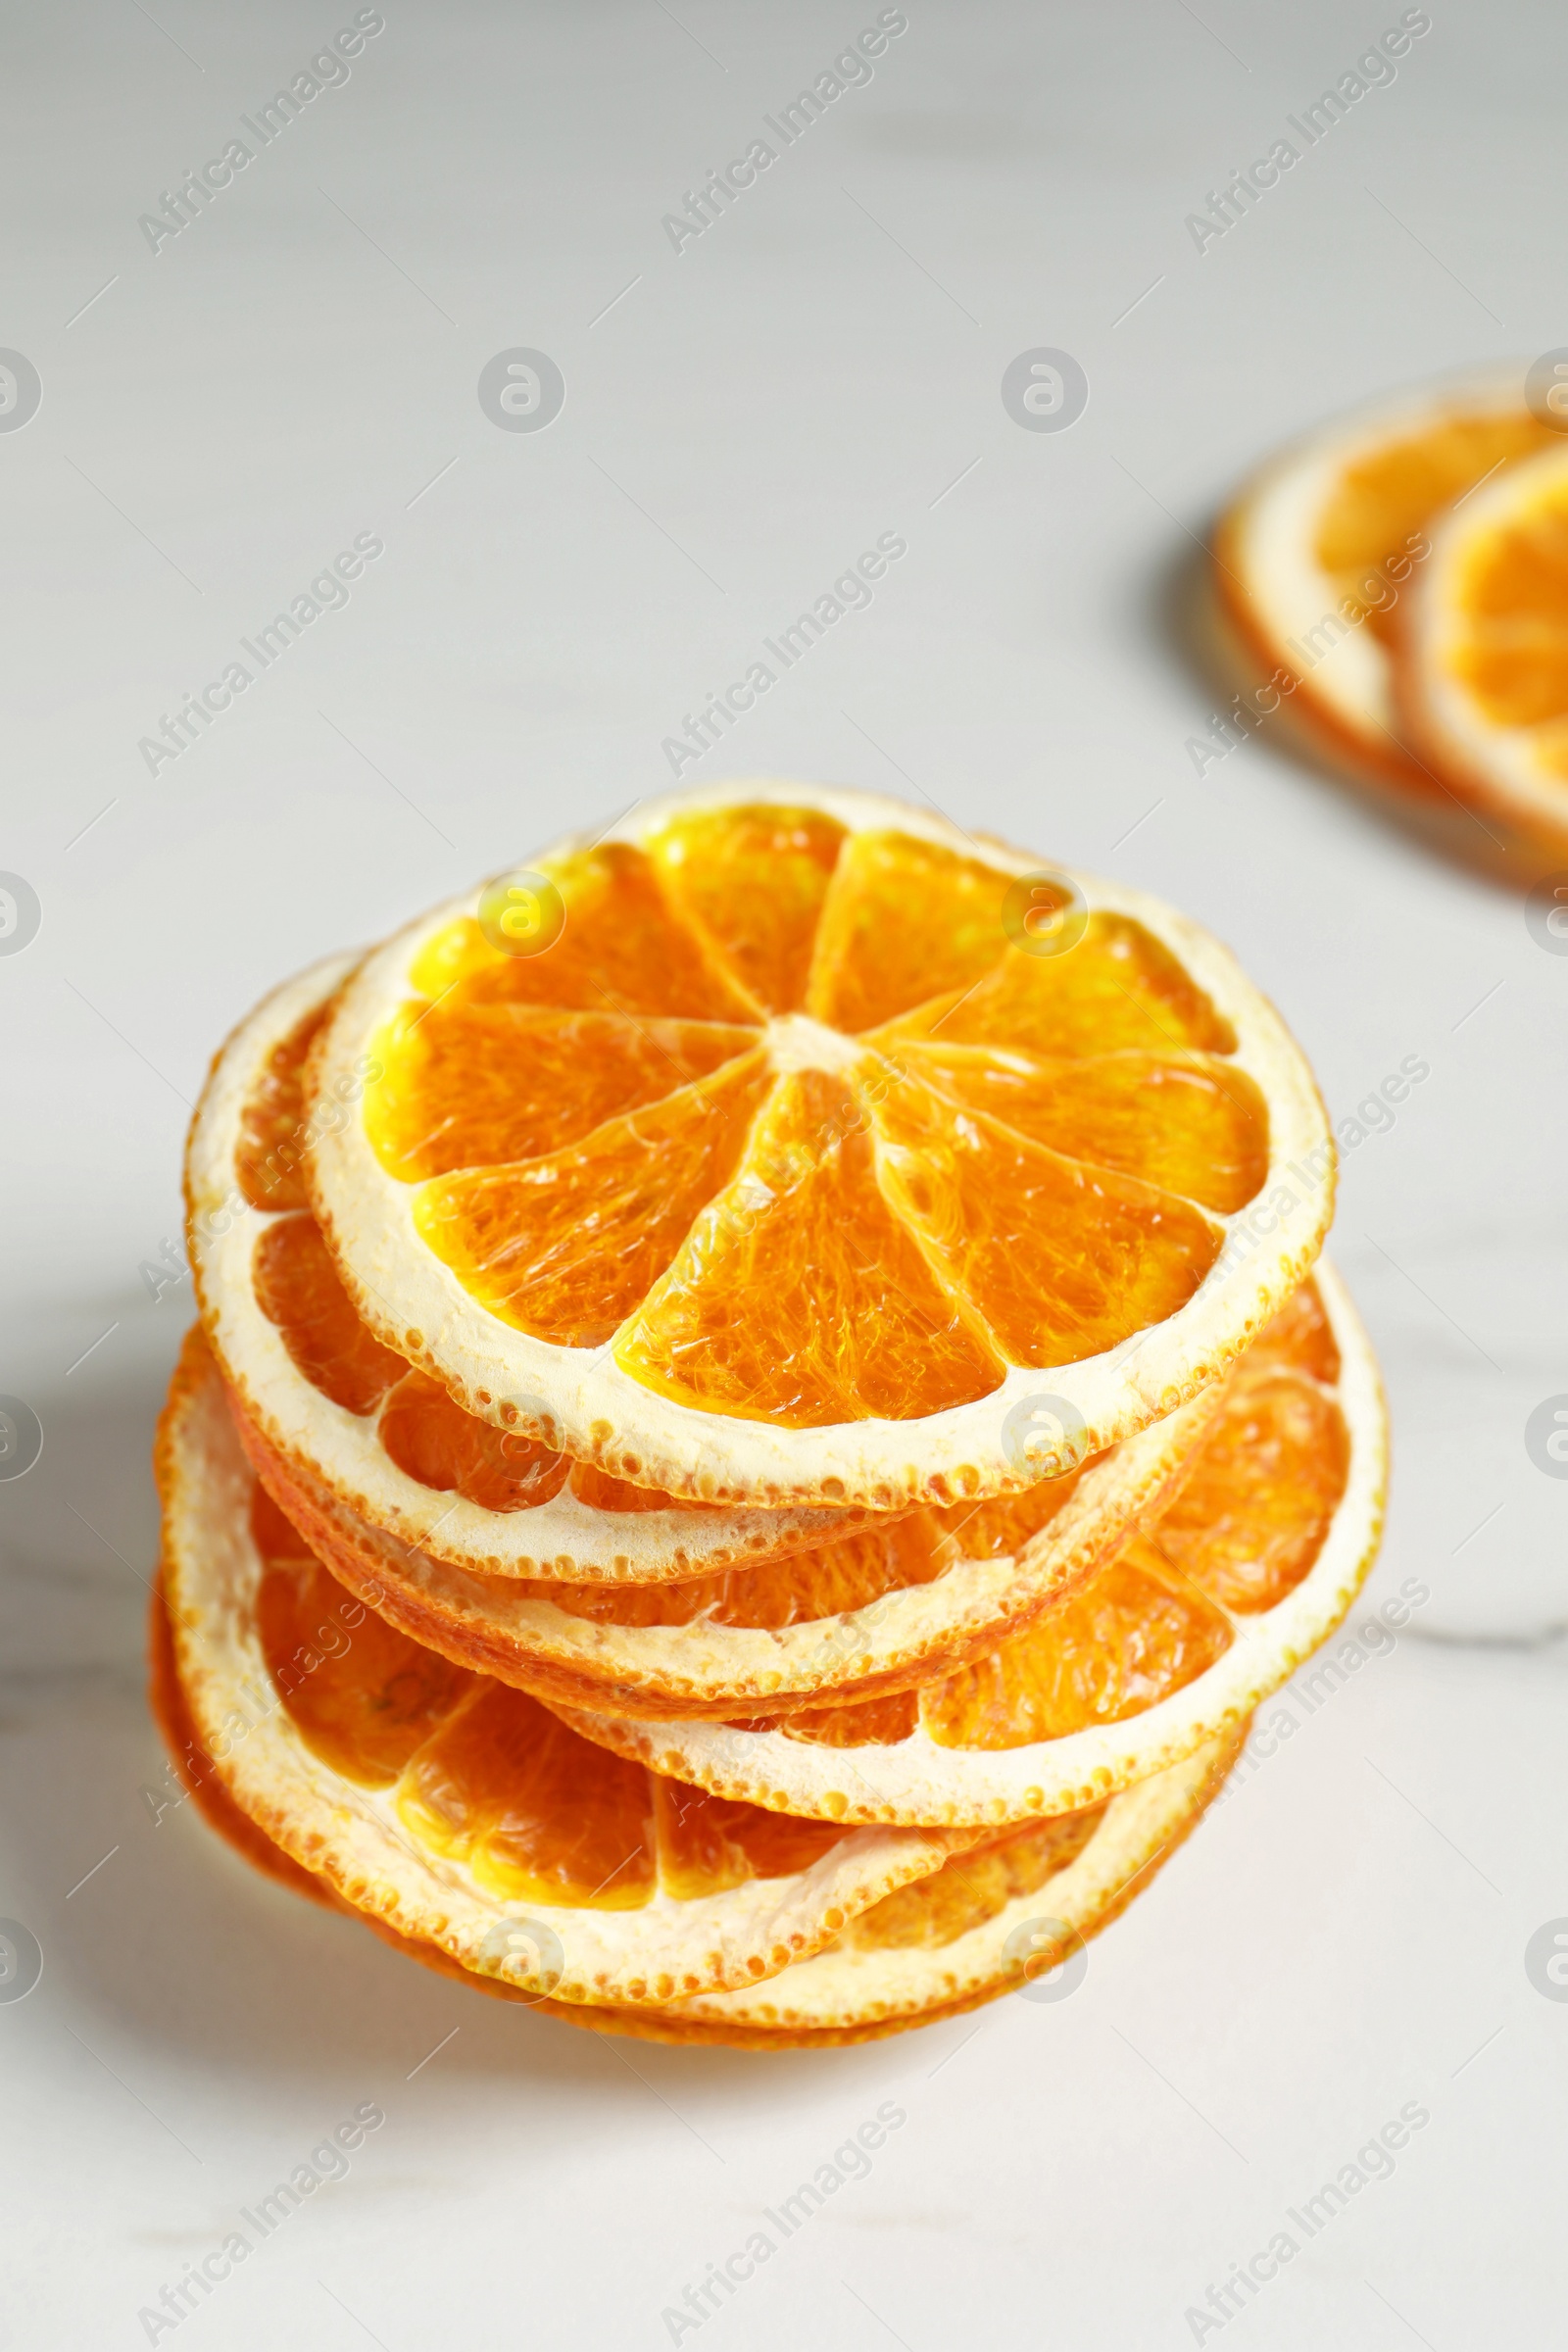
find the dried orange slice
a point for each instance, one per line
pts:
(986, 1922)
(1482, 660)
(912, 1595)
(1173, 1642)
(1323, 549)
(456, 1810)
(195, 1769)
(944, 1136)
(353, 1418)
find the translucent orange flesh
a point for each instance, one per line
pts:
(829, 1579)
(905, 920)
(1063, 1259)
(1192, 1123)
(471, 1085)
(299, 1289)
(971, 1887)
(1118, 991)
(1300, 1338)
(437, 1442)
(1132, 1635)
(800, 1295)
(753, 881)
(622, 950)
(267, 1159)
(363, 1697)
(1251, 1520)
(1014, 1170)
(485, 1775)
(1244, 1527)
(566, 1247)
(1512, 648)
(1379, 503)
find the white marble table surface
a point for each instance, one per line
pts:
(1345, 1939)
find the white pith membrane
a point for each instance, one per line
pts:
(353, 1837)
(1286, 605)
(917, 1778)
(895, 1967)
(1522, 771)
(341, 1452)
(719, 1669)
(582, 1398)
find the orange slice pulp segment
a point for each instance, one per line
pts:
(753, 881)
(268, 1161)
(800, 1294)
(567, 1246)
(299, 1289)
(783, 1117)
(1508, 632)
(971, 1887)
(1381, 498)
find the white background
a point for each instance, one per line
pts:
(818, 368)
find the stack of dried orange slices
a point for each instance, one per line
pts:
(1397, 584)
(766, 1408)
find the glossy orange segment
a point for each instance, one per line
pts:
(1117, 991)
(830, 1581)
(566, 1247)
(1252, 1517)
(1000, 1527)
(1512, 591)
(274, 1532)
(971, 1887)
(596, 1488)
(537, 1813)
(1132, 1635)
(362, 1698)
(469, 1085)
(754, 879)
(1301, 1337)
(1190, 1123)
(905, 921)
(706, 1844)
(434, 1441)
(624, 949)
(798, 1295)
(299, 1289)
(1380, 501)
(267, 1159)
(1063, 1260)
(865, 1723)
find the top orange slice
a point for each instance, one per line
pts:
(1322, 550)
(782, 1146)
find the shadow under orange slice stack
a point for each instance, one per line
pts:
(892, 1134)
